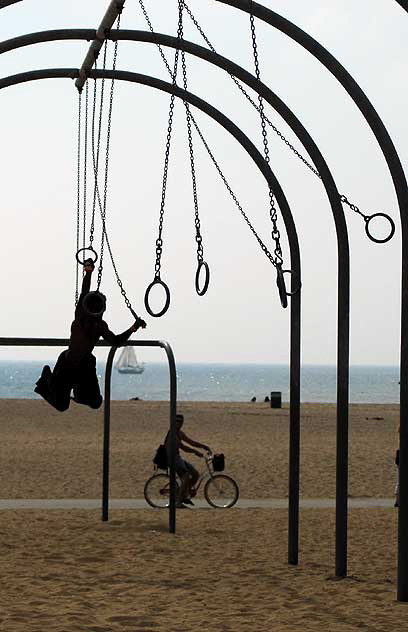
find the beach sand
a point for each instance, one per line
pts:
(223, 570)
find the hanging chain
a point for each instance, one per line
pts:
(272, 209)
(200, 250)
(159, 240)
(95, 155)
(343, 198)
(105, 186)
(102, 203)
(85, 163)
(352, 206)
(232, 194)
(198, 237)
(78, 220)
(201, 135)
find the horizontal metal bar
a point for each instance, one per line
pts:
(64, 342)
(114, 9)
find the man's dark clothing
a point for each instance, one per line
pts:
(76, 367)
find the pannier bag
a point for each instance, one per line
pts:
(160, 458)
(218, 462)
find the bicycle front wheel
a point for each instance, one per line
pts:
(221, 491)
(157, 491)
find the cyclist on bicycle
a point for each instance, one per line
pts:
(187, 472)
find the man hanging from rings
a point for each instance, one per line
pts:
(75, 369)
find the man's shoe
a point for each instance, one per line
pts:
(188, 501)
(45, 374)
(42, 390)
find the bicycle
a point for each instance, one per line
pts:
(220, 490)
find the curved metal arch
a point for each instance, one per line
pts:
(400, 185)
(253, 153)
(337, 210)
(403, 4)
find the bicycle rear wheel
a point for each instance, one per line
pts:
(157, 491)
(221, 491)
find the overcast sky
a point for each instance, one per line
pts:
(240, 318)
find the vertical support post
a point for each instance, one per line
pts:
(343, 362)
(173, 410)
(106, 436)
(294, 423)
(402, 589)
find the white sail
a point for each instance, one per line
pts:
(127, 362)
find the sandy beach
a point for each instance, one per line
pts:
(223, 570)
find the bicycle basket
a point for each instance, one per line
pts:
(218, 462)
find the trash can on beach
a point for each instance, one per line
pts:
(276, 399)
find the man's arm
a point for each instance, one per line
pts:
(86, 285)
(196, 444)
(187, 449)
(120, 339)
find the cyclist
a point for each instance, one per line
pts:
(187, 472)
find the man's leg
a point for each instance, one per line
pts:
(55, 386)
(192, 472)
(86, 387)
(184, 490)
(191, 480)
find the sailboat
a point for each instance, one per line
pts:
(128, 363)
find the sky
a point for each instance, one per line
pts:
(239, 319)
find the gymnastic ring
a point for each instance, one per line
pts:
(280, 282)
(89, 249)
(296, 290)
(146, 298)
(368, 218)
(94, 296)
(201, 265)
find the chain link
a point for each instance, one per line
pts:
(272, 208)
(159, 240)
(197, 223)
(353, 207)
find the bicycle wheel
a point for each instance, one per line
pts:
(221, 491)
(157, 491)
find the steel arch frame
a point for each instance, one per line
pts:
(338, 214)
(229, 126)
(401, 190)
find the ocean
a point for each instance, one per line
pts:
(221, 382)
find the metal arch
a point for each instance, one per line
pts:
(341, 231)
(400, 185)
(254, 154)
(403, 4)
(7, 3)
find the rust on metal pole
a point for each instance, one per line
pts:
(115, 8)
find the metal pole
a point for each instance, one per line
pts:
(114, 9)
(106, 435)
(173, 410)
(294, 429)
